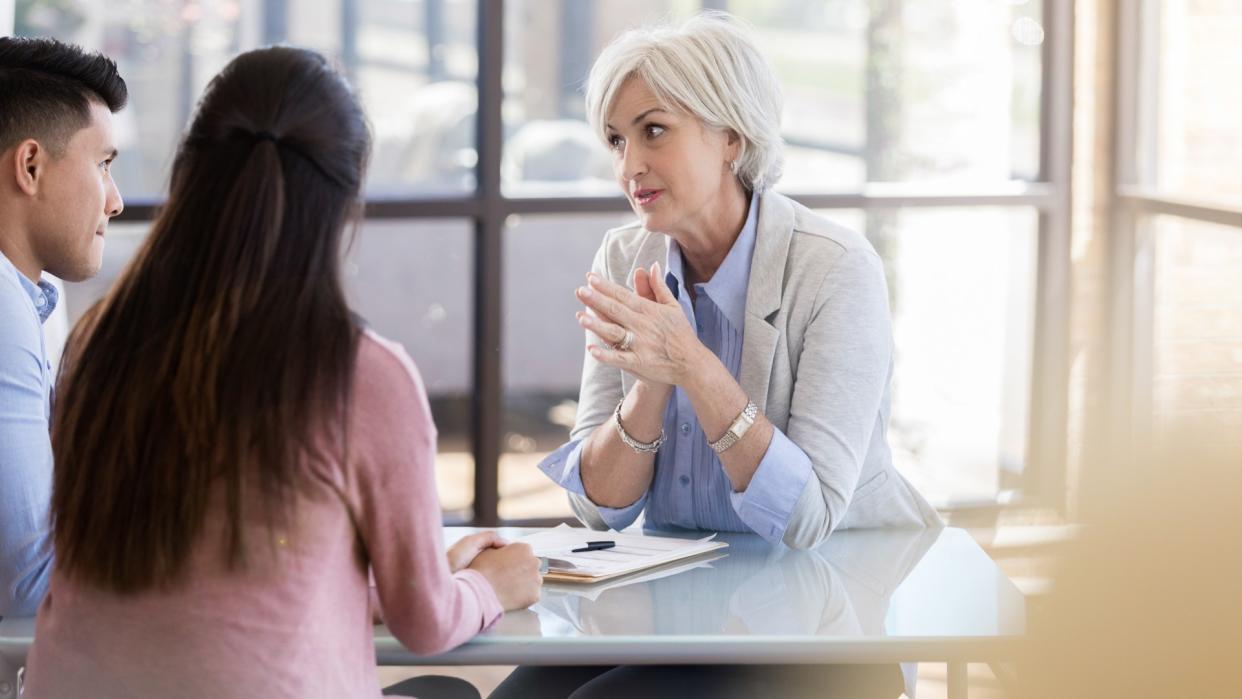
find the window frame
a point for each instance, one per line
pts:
(1135, 200)
(1042, 484)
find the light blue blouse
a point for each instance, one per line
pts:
(690, 489)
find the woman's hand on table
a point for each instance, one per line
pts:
(663, 349)
(462, 553)
(513, 572)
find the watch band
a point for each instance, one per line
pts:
(640, 447)
(738, 429)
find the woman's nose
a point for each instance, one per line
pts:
(633, 164)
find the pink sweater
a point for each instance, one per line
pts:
(297, 623)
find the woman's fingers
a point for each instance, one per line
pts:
(607, 355)
(610, 333)
(659, 290)
(663, 337)
(642, 284)
(621, 294)
(489, 539)
(464, 551)
(606, 306)
(590, 310)
(629, 362)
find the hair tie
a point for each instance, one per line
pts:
(286, 147)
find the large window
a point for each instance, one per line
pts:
(413, 63)
(938, 129)
(1179, 220)
(889, 106)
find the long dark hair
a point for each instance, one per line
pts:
(226, 347)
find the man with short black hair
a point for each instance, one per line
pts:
(56, 198)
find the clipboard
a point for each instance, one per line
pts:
(632, 553)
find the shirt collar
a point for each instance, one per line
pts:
(727, 287)
(42, 294)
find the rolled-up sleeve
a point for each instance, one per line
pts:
(563, 466)
(598, 394)
(768, 502)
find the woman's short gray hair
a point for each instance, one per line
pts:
(709, 67)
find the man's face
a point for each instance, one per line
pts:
(76, 199)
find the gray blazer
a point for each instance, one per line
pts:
(817, 359)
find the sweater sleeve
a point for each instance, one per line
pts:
(392, 492)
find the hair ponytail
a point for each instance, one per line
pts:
(220, 362)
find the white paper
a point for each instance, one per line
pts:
(632, 551)
(593, 591)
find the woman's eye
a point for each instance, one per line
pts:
(615, 142)
(654, 130)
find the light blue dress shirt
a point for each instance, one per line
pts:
(690, 489)
(25, 442)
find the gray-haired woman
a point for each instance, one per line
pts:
(739, 346)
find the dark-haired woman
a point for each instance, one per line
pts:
(234, 452)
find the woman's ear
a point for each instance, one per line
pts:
(733, 145)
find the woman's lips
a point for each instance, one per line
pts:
(646, 197)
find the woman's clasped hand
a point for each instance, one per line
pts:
(664, 347)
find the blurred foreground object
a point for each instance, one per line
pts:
(1148, 600)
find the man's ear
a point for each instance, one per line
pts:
(27, 163)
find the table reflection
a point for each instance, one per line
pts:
(754, 588)
(841, 588)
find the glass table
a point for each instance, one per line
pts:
(866, 596)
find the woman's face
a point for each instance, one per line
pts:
(673, 169)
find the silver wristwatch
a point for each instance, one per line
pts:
(738, 429)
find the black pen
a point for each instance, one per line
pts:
(595, 546)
